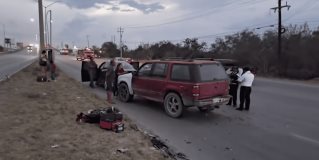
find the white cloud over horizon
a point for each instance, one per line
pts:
(148, 21)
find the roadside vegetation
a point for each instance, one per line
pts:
(299, 59)
(38, 122)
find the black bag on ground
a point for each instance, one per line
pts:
(93, 116)
(42, 79)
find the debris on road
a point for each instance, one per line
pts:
(122, 150)
(160, 145)
(55, 146)
(188, 142)
(228, 149)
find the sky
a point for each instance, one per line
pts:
(77, 22)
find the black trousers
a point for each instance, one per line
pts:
(233, 92)
(245, 97)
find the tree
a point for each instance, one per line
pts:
(109, 49)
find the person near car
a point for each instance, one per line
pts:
(52, 70)
(43, 63)
(233, 86)
(92, 68)
(246, 80)
(109, 79)
(118, 71)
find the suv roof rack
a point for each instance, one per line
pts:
(185, 59)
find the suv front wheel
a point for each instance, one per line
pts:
(124, 93)
(173, 105)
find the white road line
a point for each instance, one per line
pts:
(313, 141)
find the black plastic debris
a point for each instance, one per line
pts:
(160, 145)
(122, 150)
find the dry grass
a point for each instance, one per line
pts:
(38, 122)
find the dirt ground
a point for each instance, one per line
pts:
(38, 123)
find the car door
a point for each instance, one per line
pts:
(100, 74)
(157, 83)
(141, 79)
(85, 77)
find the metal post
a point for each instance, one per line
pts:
(4, 35)
(41, 28)
(45, 26)
(87, 38)
(50, 28)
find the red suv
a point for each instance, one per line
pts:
(178, 84)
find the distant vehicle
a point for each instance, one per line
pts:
(29, 49)
(84, 54)
(64, 51)
(178, 85)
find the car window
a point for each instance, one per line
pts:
(126, 66)
(180, 72)
(211, 72)
(159, 70)
(145, 70)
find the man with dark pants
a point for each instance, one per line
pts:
(246, 80)
(92, 67)
(109, 79)
(233, 86)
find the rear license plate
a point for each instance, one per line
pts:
(219, 100)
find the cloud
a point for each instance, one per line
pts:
(145, 8)
(75, 29)
(82, 4)
(127, 10)
(116, 5)
(114, 8)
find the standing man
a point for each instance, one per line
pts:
(92, 68)
(109, 79)
(246, 81)
(233, 85)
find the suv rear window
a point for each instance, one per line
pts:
(180, 72)
(211, 72)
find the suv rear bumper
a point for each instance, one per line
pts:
(216, 101)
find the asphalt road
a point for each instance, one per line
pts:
(10, 63)
(281, 125)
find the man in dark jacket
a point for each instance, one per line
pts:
(233, 86)
(109, 79)
(92, 68)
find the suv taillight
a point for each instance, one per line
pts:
(195, 91)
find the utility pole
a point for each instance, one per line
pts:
(121, 30)
(41, 25)
(50, 29)
(87, 38)
(281, 30)
(4, 35)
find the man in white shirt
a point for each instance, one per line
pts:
(246, 81)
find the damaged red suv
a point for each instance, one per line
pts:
(178, 84)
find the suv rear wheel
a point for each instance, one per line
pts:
(124, 93)
(173, 105)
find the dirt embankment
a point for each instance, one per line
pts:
(38, 123)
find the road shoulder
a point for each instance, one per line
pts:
(38, 122)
